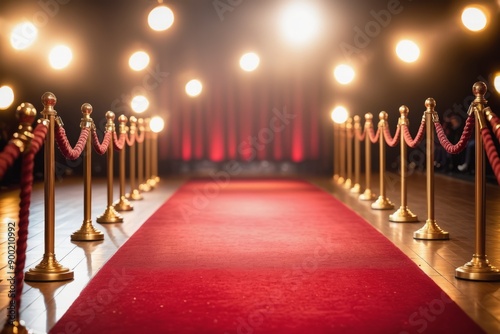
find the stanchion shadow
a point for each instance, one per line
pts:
(116, 240)
(48, 291)
(88, 248)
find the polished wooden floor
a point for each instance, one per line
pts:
(44, 303)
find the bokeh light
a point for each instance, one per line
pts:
(344, 74)
(474, 18)
(496, 82)
(408, 51)
(138, 61)
(160, 18)
(139, 104)
(299, 22)
(23, 35)
(6, 97)
(156, 124)
(194, 88)
(249, 62)
(60, 57)
(339, 114)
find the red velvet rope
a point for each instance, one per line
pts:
(7, 157)
(391, 141)
(139, 137)
(118, 144)
(491, 152)
(64, 145)
(101, 148)
(359, 135)
(25, 200)
(130, 140)
(373, 136)
(464, 138)
(418, 138)
(495, 125)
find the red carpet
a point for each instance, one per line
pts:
(260, 256)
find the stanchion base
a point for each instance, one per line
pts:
(110, 216)
(14, 328)
(478, 269)
(135, 195)
(157, 179)
(152, 183)
(87, 233)
(367, 196)
(403, 215)
(48, 270)
(382, 203)
(431, 231)
(340, 180)
(356, 189)
(335, 178)
(123, 205)
(144, 187)
(347, 184)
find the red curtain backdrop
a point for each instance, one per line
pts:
(246, 118)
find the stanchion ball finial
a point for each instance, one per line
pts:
(356, 118)
(430, 103)
(122, 119)
(403, 110)
(368, 116)
(133, 119)
(86, 109)
(383, 116)
(26, 113)
(110, 116)
(49, 99)
(479, 89)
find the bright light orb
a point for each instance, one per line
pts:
(344, 74)
(156, 124)
(339, 115)
(408, 51)
(6, 97)
(496, 82)
(474, 19)
(139, 104)
(138, 61)
(249, 62)
(299, 23)
(194, 88)
(60, 57)
(161, 18)
(23, 35)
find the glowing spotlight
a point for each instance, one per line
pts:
(344, 74)
(408, 51)
(496, 82)
(249, 61)
(138, 61)
(23, 35)
(299, 22)
(60, 57)
(6, 97)
(139, 104)
(194, 88)
(339, 115)
(161, 18)
(474, 18)
(156, 124)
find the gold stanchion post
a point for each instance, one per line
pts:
(87, 231)
(122, 204)
(348, 138)
(479, 268)
(134, 194)
(145, 149)
(110, 215)
(342, 138)
(356, 188)
(403, 214)
(431, 230)
(368, 195)
(382, 202)
(49, 269)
